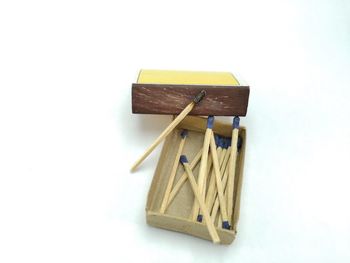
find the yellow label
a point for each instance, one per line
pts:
(186, 77)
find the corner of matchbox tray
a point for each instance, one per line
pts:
(186, 226)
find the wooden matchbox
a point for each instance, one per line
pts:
(177, 215)
(168, 92)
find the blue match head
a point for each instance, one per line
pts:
(218, 141)
(235, 124)
(225, 225)
(200, 218)
(216, 137)
(224, 142)
(184, 133)
(183, 159)
(229, 142)
(210, 122)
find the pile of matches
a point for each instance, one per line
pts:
(213, 187)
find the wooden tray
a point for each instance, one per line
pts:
(177, 215)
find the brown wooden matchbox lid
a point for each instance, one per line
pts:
(172, 99)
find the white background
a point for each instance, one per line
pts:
(68, 138)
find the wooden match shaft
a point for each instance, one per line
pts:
(215, 208)
(232, 168)
(209, 166)
(203, 166)
(210, 225)
(173, 172)
(219, 221)
(183, 177)
(169, 129)
(206, 182)
(224, 170)
(219, 182)
(212, 184)
(210, 200)
(209, 179)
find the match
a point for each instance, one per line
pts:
(232, 167)
(202, 176)
(183, 177)
(221, 152)
(165, 201)
(224, 182)
(219, 186)
(170, 128)
(210, 225)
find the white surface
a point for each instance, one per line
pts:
(68, 138)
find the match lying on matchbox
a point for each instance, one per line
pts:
(196, 186)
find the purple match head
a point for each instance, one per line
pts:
(184, 133)
(235, 124)
(225, 225)
(183, 159)
(210, 122)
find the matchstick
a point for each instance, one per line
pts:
(210, 225)
(215, 208)
(209, 174)
(184, 134)
(225, 170)
(232, 168)
(209, 166)
(224, 145)
(221, 143)
(227, 155)
(183, 177)
(219, 221)
(202, 176)
(210, 199)
(219, 186)
(171, 126)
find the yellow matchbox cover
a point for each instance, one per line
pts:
(186, 77)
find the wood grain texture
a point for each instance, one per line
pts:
(172, 99)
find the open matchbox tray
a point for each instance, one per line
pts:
(177, 215)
